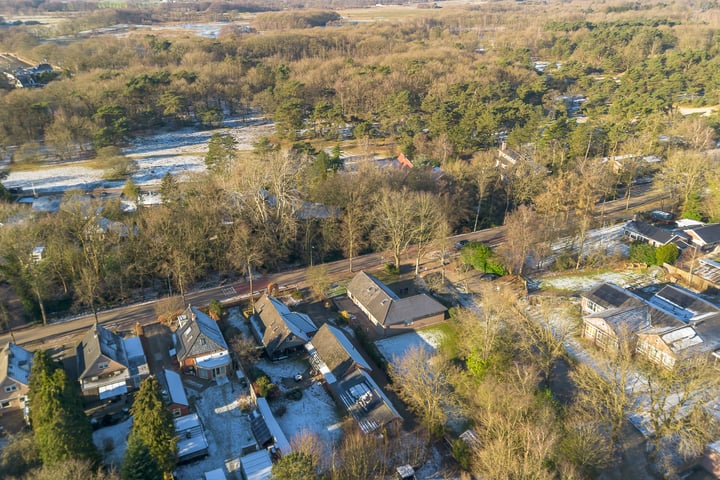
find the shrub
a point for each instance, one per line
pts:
(462, 453)
(643, 253)
(215, 310)
(649, 255)
(481, 257)
(391, 269)
(264, 387)
(667, 254)
(294, 394)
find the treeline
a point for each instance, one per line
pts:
(503, 378)
(420, 86)
(292, 20)
(423, 82)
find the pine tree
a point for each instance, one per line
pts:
(222, 150)
(153, 424)
(62, 430)
(294, 466)
(138, 464)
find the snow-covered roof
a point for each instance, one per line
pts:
(134, 348)
(681, 339)
(281, 441)
(112, 390)
(213, 360)
(191, 437)
(175, 388)
(257, 465)
(15, 363)
(217, 474)
(685, 223)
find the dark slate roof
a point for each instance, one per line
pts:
(97, 342)
(374, 295)
(407, 310)
(710, 234)
(386, 306)
(337, 351)
(608, 296)
(281, 324)
(685, 299)
(365, 401)
(259, 428)
(651, 232)
(198, 334)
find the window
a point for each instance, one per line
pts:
(176, 412)
(5, 404)
(102, 365)
(10, 388)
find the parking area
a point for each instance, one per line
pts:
(157, 344)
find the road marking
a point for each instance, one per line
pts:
(229, 291)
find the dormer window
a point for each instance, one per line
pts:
(102, 365)
(10, 388)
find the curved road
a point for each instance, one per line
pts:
(125, 317)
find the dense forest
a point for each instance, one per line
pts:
(446, 87)
(565, 85)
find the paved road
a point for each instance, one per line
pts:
(125, 317)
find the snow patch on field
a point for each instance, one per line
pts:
(625, 279)
(179, 152)
(316, 413)
(114, 436)
(227, 429)
(394, 348)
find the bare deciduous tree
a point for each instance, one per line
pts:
(422, 381)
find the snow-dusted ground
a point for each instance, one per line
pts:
(227, 430)
(183, 151)
(179, 152)
(394, 348)
(315, 412)
(584, 282)
(111, 442)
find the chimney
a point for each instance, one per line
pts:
(139, 330)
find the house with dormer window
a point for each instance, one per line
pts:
(109, 364)
(15, 363)
(200, 345)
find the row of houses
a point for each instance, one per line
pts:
(667, 328)
(109, 365)
(705, 238)
(347, 374)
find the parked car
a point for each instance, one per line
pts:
(461, 244)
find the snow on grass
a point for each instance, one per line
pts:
(183, 151)
(315, 412)
(227, 430)
(55, 178)
(283, 370)
(584, 282)
(178, 152)
(111, 441)
(235, 318)
(395, 347)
